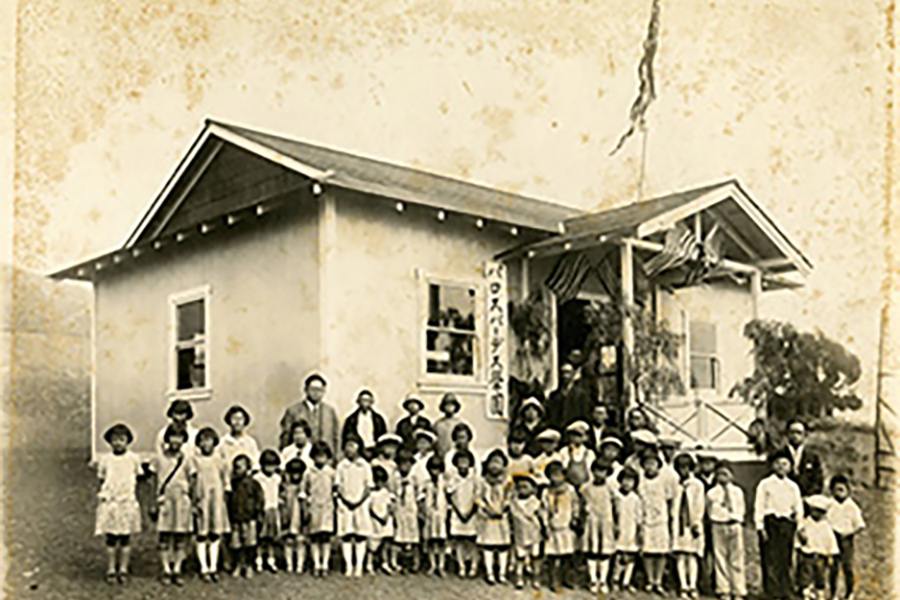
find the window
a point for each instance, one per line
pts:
(704, 362)
(451, 332)
(190, 358)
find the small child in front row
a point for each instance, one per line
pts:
(656, 494)
(211, 519)
(318, 492)
(293, 540)
(725, 503)
(381, 508)
(519, 461)
(816, 546)
(353, 484)
(175, 473)
(688, 512)
(628, 510)
(599, 544)
(526, 518)
(270, 531)
(406, 515)
(246, 506)
(433, 510)
(493, 518)
(462, 484)
(846, 520)
(118, 511)
(560, 502)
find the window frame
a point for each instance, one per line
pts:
(175, 301)
(713, 358)
(477, 380)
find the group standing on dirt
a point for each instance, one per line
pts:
(571, 500)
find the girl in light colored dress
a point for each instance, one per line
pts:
(526, 518)
(434, 512)
(270, 532)
(118, 511)
(656, 500)
(560, 501)
(406, 515)
(318, 493)
(492, 499)
(688, 511)
(462, 485)
(628, 512)
(211, 518)
(461, 437)
(519, 461)
(300, 447)
(174, 511)
(237, 441)
(381, 508)
(293, 531)
(599, 526)
(353, 484)
(386, 447)
(576, 457)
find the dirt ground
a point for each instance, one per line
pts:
(53, 554)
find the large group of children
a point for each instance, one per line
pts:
(536, 513)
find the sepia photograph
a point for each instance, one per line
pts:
(397, 299)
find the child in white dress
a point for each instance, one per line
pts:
(118, 511)
(381, 507)
(688, 512)
(353, 486)
(300, 445)
(270, 532)
(292, 528)
(434, 515)
(462, 485)
(237, 441)
(628, 513)
(406, 515)
(576, 457)
(599, 526)
(561, 504)
(657, 495)
(492, 500)
(817, 547)
(526, 518)
(318, 494)
(211, 512)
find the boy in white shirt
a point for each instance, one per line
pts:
(816, 547)
(846, 520)
(726, 509)
(777, 510)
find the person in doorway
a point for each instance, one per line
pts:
(806, 466)
(365, 424)
(313, 409)
(569, 402)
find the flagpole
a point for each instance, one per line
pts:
(640, 186)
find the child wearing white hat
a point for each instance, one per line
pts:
(816, 545)
(576, 457)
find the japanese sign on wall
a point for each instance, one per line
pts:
(497, 342)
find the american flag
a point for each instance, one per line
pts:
(679, 247)
(647, 86)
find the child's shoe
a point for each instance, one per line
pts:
(122, 577)
(603, 589)
(110, 578)
(490, 579)
(248, 573)
(270, 564)
(594, 587)
(214, 577)
(205, 578)
(165, 578)
(178, 580)
(520, 582)
(259, 564)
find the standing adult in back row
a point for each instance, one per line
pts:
(320, 416)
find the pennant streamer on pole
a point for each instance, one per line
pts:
(647, 86)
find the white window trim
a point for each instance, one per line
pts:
(175, 300)
(717, 373)
(430, 381)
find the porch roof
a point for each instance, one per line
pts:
(752, 237)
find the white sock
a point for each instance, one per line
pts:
(201, 558)
(214, 556)
(693, 569)
(317, 557)
(360, 557)
(326, 555)
(592, 570)
(603, 564)
(347, 549)
(503, 560)
(489, 564)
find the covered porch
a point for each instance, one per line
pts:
(692, 265)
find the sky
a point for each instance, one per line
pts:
(788, 97)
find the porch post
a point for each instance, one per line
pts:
(627, 268)
(756, 291)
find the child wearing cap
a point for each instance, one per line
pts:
(576, 457)
(291, 509)
(530, 419)
(609, 451)
(599, 542)
(318, 496)
(434, 509)
(628, 511)
(526, 518)
(492, 499)
(424, 440)
(118, 511)
(656, 508)
(353, 484)
(688, 512)
(725, 503)
(778, 507)
(549, 441)
(406, 515)
(816, 547)
(211, 511)
(412, 422)
(443, 427)
(386, 448)
(560, 501)
(846, 520)
(462, 484)
(237, 441)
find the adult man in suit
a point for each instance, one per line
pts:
(807, 470)
(320, 416)
(364, 423)
(569, 402)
